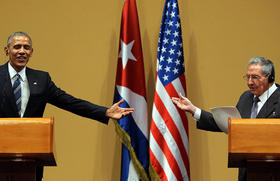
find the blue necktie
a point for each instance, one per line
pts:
(17, 92)
(254, 111)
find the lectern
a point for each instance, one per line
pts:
(255, 145)
(25, 143)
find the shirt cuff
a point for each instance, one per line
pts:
(197, 114)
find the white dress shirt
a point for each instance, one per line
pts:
(263, 98)
(25, 92)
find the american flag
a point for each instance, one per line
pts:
(169, 145)
(130, 86)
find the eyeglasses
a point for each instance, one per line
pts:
(253, 77)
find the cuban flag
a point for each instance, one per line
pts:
(130, 86)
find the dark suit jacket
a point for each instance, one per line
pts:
(43, 91)
(271, 109)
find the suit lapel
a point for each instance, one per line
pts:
(32, 83)
(247, 112)
(247, 103)
(7, 90)
(270, 105)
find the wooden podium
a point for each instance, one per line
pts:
(25, 143)
(255, 145)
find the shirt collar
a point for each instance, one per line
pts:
(12, 72)
(263, 98)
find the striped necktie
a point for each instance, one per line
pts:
(17, 92)
(254, 111)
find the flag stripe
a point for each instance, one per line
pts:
(157, 166)
(175, 146)
(170, 107)
(159, 155)
(134, 100)
(182, 156)
(168, 153)
(125, 163)
(173, 90)
(170, 88)
(179, 86)
(183, 83)
(137, 138)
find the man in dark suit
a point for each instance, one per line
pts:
(261, 101)
(24, 92)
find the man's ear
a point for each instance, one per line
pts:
(6, 51)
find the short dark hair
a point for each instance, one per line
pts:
(18, 33)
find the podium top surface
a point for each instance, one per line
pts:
(254, 136)
(253, 139)
(27, 138)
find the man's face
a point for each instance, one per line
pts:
(257, 82)
(19, 52)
